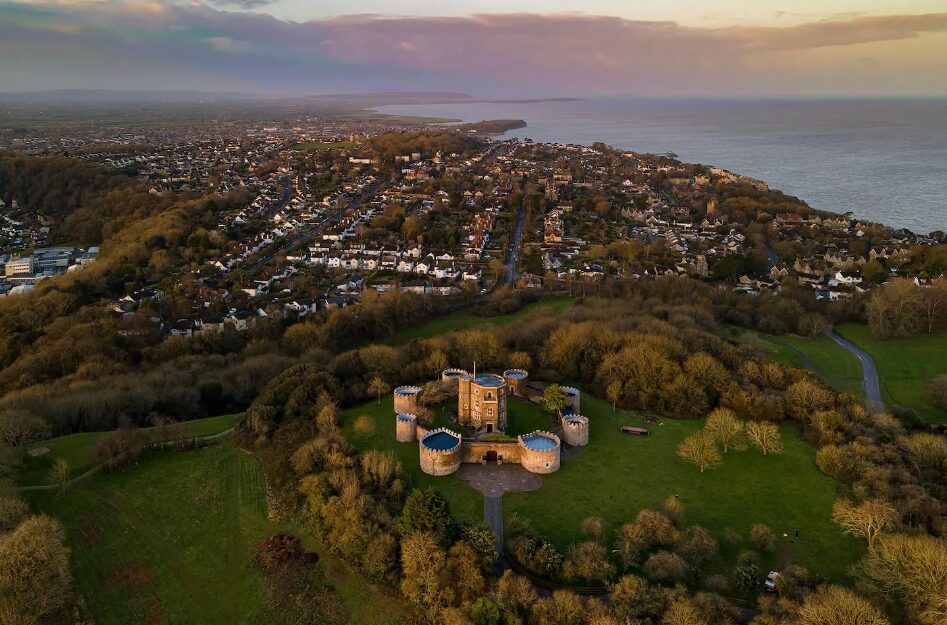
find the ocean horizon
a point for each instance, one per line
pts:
(882, 159)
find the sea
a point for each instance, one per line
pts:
(882, 160)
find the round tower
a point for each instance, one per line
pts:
(574, 399)
(440, 452)
(406, 399)
(540, 452)
(406, 428)
(516, 380)
(452, 374)
(575, 430)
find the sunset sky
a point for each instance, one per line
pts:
(742, 48)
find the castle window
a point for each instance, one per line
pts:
(489, 412)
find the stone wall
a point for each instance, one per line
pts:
(508, 452)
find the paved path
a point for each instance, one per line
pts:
(870, 382)
(98, 467)
(493, 481)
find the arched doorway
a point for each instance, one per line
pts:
(492, 456)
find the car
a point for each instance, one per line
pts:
(772, 581)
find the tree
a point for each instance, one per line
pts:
(35, 582)
(59, 474)
(516, 594)
(912, 569)
(683, 612)
(480, 537)
(588, 561)
(554, 399)
(593, 528)
(12, 511)
(765, 437)
(18, 428)
(364, 426)
(700, 449)
(834, 605)
(724, 426)
(485, 611)
(378, 387)
(427, 511)
(747, 575)
(673, 508)
(763, 536)
(866, 519)
(423, 562)
(665, 566)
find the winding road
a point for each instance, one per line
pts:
(870, 381)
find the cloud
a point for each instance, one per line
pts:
(190, 44)
(244, 4)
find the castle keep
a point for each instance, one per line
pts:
(481, 402)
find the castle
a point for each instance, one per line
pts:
(482, 406)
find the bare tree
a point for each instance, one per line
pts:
(765, 436)
(867, 519)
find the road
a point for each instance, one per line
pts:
(512, 260)
(870, 381)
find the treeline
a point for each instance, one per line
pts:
(54, 186)
(899, 309)
(393, 144)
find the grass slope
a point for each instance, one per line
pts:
(77, 449)
(466, 320)
(904, 366)
(170, 540)
(617, 475)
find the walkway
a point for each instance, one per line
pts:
(200, 439)
(870, 382)
(493, 481)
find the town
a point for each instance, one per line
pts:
(321, 212)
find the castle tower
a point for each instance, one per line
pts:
(406, 399)
(575, 430)
(516, 380)
(406, 428)
(574, 399)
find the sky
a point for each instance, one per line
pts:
(488, 48)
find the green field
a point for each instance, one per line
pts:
(833, 363)
(904, 366)
(170, 540)
(465, 320)
(77, 449)
(617, 475)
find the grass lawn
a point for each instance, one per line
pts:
(464, 500)
(466, 320)
(904, 366)
(170, 540)
(617, 475)
(837, 366)
(77, 449)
